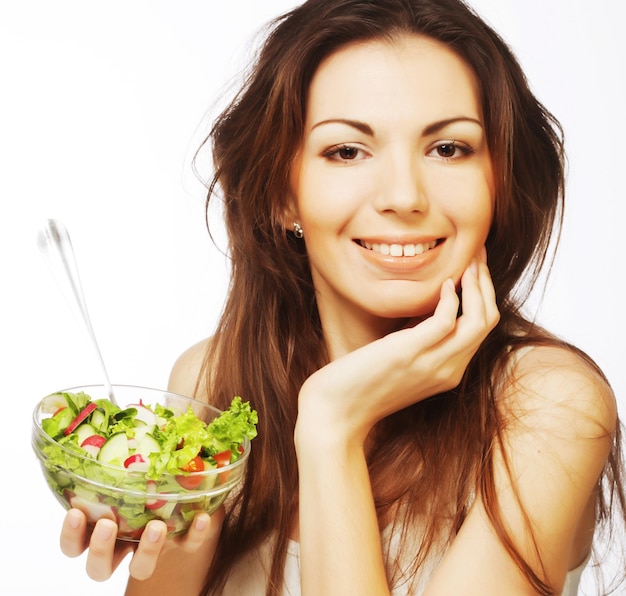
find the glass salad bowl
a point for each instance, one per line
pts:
(158, 456)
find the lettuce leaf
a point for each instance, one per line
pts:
(181, 438)
(186, 436)
(228, 430)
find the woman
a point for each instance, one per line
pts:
(416, 433)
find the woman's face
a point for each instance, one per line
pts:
(393, 183)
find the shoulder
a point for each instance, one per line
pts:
(560, 421)
(538, 490)
(554, 385)
(185, 375)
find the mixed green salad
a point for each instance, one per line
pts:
(136, 464)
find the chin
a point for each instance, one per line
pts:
(407, 311)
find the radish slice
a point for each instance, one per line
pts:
(153, 503)
(144, 414)
(81, 417)
(92, 444)
(137, 463)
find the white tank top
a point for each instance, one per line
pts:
(249, 576)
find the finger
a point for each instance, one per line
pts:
(73, 539)
(489, 293)
(472, 298)
(144, 561)
(443, 320)
(205, 528)
(101, 550)
(480, 310)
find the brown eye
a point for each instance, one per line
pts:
(450, 150)
(446, 150)
(347, 153)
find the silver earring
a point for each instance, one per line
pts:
(297, 230)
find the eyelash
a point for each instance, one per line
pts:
(334, 153)
(463, 147)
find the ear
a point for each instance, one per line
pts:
(290, 212)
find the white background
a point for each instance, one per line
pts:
(102, 105)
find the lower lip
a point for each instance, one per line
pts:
(401, 264)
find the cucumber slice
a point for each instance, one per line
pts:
(85, 430)
(141, 430)
(98, 419)
(147, 445)
(115, 450)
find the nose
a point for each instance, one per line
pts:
(402, 190)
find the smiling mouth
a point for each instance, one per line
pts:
(399, 250)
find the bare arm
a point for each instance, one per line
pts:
(557, 449)
(180, 568)
(339, 535)
(557, 445)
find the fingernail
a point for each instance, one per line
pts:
(154, 534)
(200, 523)
(104, 531)
(73, 519)
(474, 267)
(448, 286)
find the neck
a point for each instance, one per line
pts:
(345, 332)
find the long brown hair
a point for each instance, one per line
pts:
(269, 338)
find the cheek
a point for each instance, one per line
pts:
(476, 212)
(330, 199)
(468, 199)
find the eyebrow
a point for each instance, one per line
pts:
(441, 124)
(360, 126)
(428, 130)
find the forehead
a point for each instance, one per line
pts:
(407, 73)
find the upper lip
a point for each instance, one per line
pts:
(402, 240)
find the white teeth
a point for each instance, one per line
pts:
(400, 250)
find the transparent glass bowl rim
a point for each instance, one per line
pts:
(134, 474)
